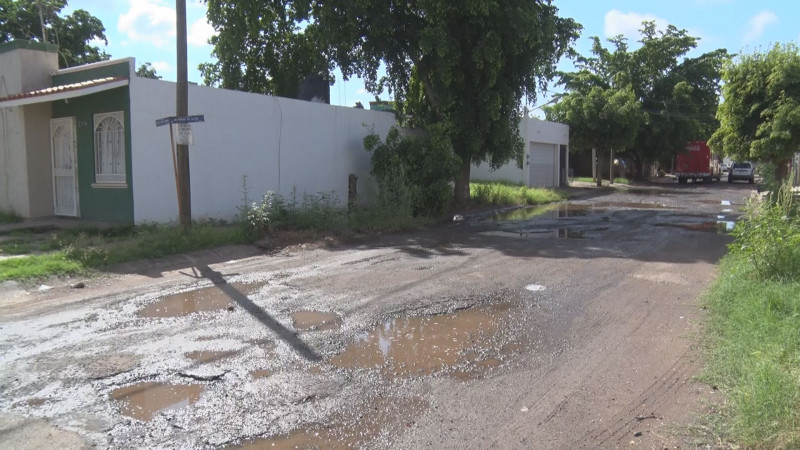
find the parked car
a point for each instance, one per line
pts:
(742, 171)
(725, 168)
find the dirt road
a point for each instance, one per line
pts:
(563, 327)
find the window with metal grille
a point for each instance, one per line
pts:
(109, 148)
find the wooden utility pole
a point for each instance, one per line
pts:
(596, 168)
(182, 110)
(611, 167)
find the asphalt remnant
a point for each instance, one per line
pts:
(356, 429)
(143, 401)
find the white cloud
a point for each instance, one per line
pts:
(149, 21)
(200, 32)
(628, 24)
(162, 67)
(757, 24)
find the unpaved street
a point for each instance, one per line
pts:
(561, 327)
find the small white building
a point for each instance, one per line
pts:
(545, 161)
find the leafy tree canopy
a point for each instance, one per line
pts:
(602, 118)
(39, 20)
(760, 115)
(147, 70)
(464, 66)
(263, 46)
(678, 94)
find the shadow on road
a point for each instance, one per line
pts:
(283, 333)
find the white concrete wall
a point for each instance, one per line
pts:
(532, 131)
(278, 143)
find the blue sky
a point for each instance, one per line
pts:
(145, 29)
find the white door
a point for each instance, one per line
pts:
(65, 166)
(543, 165)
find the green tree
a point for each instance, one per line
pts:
(147, 70)
(760, 115)
(679, 95)
(601, 117)
(261, 47)
(39, 20)
(463, 66)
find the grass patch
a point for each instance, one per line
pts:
(754, 355)
(498, 193)
(9, 217)
(753, 339)
(80, 250)
(39, 266)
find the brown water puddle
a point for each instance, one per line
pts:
(142, 401)
(316, 321)
(207, 356)
(355, 431)
(413, 346)
(721, 226)
(211, 298)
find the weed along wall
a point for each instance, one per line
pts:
(279, 144)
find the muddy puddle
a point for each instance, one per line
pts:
(417, 346)
(315, 321)
(143, 401)
(632, 205)
(647, 192)
(568, 210)
(719, 226)
(557, 211)
(212, 298)
(209, 356)
(558, 233)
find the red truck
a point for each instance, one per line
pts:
(697, 163)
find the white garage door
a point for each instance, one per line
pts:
(543, 165)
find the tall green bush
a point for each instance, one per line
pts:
(770, 237)
(414, 172)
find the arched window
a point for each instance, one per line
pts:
(109, 148)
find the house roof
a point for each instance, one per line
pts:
(63, 92)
